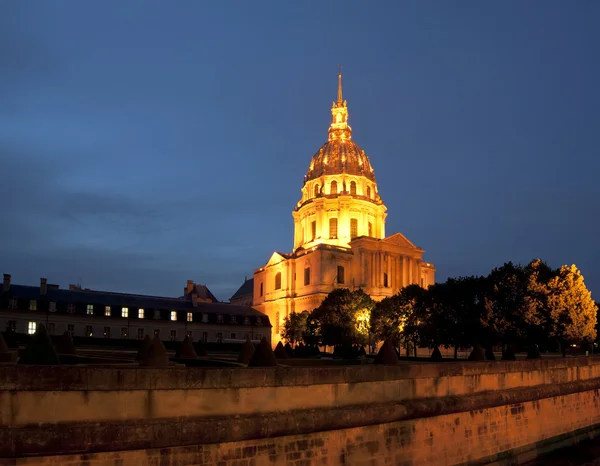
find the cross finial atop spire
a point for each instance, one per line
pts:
(339, 96)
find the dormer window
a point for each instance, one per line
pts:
(258, 321)
(13, 303)
(52, 306)
(71, 308)
(246, 320)
(124, 312)
(90, 310)
(205, 318)
(140, 313)
(233, 320)
(157, 314)
(106, 311)
(33, 305)
(353, 188)
(189, 317)
(173, 315)
(219, 318)
(333, 188)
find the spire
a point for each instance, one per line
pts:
(340, 100)
(339, 128)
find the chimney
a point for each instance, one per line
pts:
(43, 286)
(190, 286)
(6, 283)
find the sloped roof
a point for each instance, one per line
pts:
(244, 290)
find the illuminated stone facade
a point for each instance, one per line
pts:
(339, 235)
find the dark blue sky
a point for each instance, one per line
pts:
(146, 143)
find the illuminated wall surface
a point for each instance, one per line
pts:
(339, 235)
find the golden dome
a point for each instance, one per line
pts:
(340, 154)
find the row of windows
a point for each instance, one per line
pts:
(333, 189)
(340, 278)
(333, 228)
(124, 332)
(141, 313)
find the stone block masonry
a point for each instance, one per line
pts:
(538, 405)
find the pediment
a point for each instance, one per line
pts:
(276, 258)
(398, 239)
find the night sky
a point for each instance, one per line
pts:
(146, 143)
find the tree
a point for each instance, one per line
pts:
(343, 317)
(572, 312)
(294, 327)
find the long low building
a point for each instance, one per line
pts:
(102, 314)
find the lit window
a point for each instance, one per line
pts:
(333, 189)
(313, 229)
(88, 331)
(173, 335)
(278, 281)
(261, 289)
(189, 317)
(246, 320)
(353, 228)
(52, 306)
(140, 313)
(31, 328)
(51, 326)
(157, 314)
(353, 188)
(306, 277)
(370, 229)
(32, 305)
(107, 311)
(124, 312)
(219, 318)
(233, 335)
(340, 274)
(13, 303)
(205, 318)
(333, 228)
(106, 332)
(90, 309)
(123, 332)
(173, 315)
(71, 308)
(140, 333)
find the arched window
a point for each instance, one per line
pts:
(278, 281)
(353, 228)
(334, 187)
(369, 192)
(333, 224)
(316, 190)
(353, 188)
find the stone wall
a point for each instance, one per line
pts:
(448, 413)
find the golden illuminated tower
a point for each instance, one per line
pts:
(340, 200)
(339, 235)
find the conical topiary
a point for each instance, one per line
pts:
(246, 352)
(157, 354)
(3, 345)
(300, 351)
(387, 354)
(186, 349)
(489, 354)
(11, 340)
(362, 351)
(533, 352)
(144, 347)
(477, 354)
(65, 345)
(200, 348)
(508, 354)
(40, 350)
(263, 355)
(289, 350)
(436, 355)
(280, 352)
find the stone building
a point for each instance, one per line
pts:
(103, 314)
(339, 235)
